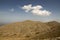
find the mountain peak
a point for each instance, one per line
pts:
(28, 21)
(53, 22)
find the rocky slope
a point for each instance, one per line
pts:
(28, 30)
(55, 27)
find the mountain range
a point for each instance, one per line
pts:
(30, 30)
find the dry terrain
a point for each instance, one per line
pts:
(30, 30)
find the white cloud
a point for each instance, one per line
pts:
(12, 9)
(36, 10)
(37, 7)
(41, 12)
(27, 7)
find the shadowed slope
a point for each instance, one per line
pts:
(55, 27)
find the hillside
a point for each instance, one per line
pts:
(28, 30)
(55, 27)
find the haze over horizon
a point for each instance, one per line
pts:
(20, 10)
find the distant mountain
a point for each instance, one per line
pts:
(29, 30)
(1, 24)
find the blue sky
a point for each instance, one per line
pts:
(11, 10)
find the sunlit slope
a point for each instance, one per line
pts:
(28, 30)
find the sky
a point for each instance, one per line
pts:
(38, 10)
